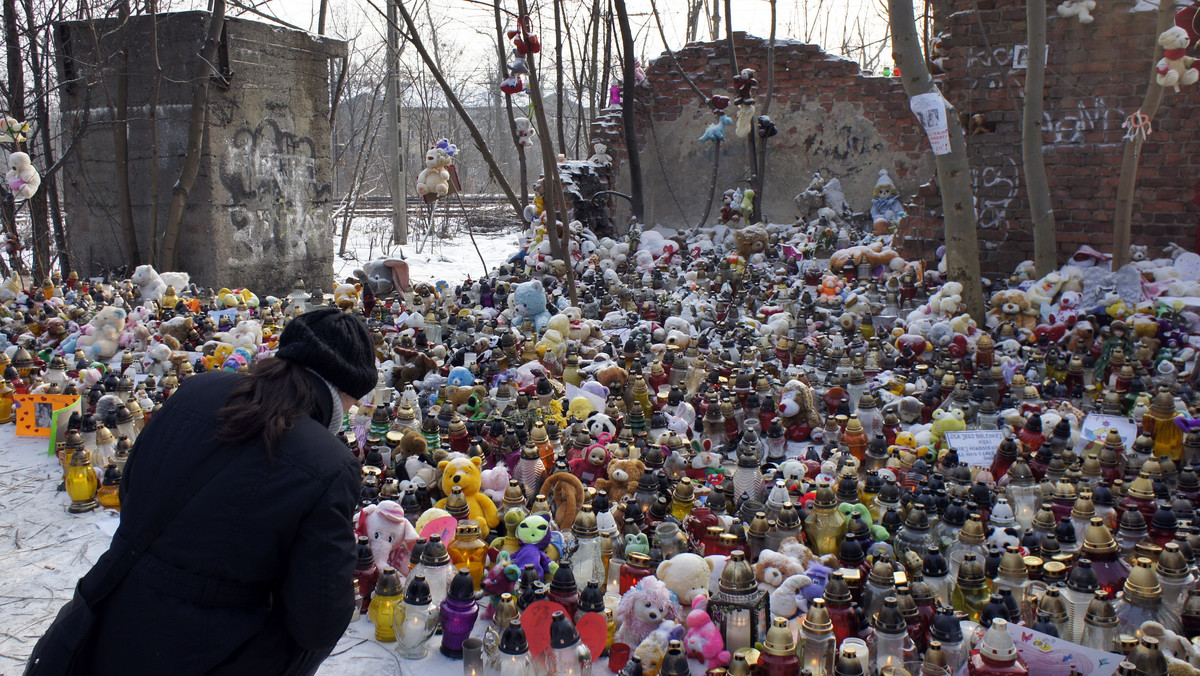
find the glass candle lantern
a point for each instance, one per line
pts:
(739, 607)
(817, 640)
(997, 654)
(889, 637)
(415, 620)
(971, 589)
(971, 540)
(778, 657)
(840, 605)
(1081, 586)
(1101, 549)
(563, 589)
(511, 657)
(1100, 623)
(570, 656)
(458, 614)
(587, 562)
(825, 525)
(1141, 601)
(636, 566)
(1014, 576)
(1024, 494)
(1174, 576)
(81, 483)
(947, 630)
(468, 550)
(382, 609)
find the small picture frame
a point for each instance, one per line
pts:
(35, 412)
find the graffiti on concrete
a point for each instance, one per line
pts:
(277, 202)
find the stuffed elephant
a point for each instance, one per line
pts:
(384, 276)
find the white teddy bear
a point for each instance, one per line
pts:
(947, 300)
(601, 155)
(22, 177)
(154, 283)
(1175, 68)
(434, 178)
(1078, 8)
(99, 341)
(525, 131)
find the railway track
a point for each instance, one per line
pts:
(381, 207)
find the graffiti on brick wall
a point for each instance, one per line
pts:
(996, 190)
(991, 69)
(1070, 125)
(276, 200)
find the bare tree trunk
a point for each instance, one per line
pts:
(154, 96)
(39, 206)
(1045, 254)
(766, 109)
(120, 132)
(1133, 147)
(606, 65)
(695, 7)
(637, 204)
(559, 92)
(480, 143)
(553, 200)
(953, 171)
(321, 12)
(595, 60)
(16, 108)
(195, 145)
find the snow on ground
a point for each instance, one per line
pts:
(429, 258)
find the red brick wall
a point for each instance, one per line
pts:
(1096, 76)
(806, 80)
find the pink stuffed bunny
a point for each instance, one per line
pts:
(703, 639)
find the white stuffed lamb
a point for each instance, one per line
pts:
(153, 283)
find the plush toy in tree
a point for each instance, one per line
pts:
(22, 177)
(434, 178)
(1175, 68)
(1078, 8)
(13, 130)
(525, 131)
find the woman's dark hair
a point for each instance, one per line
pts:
(267, 403)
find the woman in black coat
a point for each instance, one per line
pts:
(254, 574)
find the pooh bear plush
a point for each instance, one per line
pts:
(464, 472)
(529, 300)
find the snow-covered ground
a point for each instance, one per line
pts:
(429, 259)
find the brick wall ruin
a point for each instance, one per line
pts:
(835, 120)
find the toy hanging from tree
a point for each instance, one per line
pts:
(745, 84)
(523, 46)
(1175, 68)
(715, 132)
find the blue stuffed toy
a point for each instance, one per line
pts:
(885, 206)
(530, 303)
(716, 131)
(460, 376)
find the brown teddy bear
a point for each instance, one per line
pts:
(1012, 306)
(613, 377)
(751, 240)
(875, 253)
(623, 477)
(565, 491)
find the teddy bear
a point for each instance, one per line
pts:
(592, 465)
(529, 304)
(613, 378)
(1044, 291)
(565, 492)
(100, 339)
(1175, 68)
(153, 283)
(434, 179)
(686, 575)
(703, 639)
(750, 240)
(601, 156)
(383, 276)
(157, 360)
(1082, 9)
(525, 131)
(22, 177)
(1012, 306)
(796, 594)
(623, 477)
(875, 253)
(391, 536)
(947, 300)
(773, 567)
(642, 609)
(465, 473)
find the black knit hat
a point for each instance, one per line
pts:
(335, 344)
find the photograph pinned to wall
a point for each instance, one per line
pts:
(35, 412)
(930, 109)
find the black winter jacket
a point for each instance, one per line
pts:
(255, 575)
